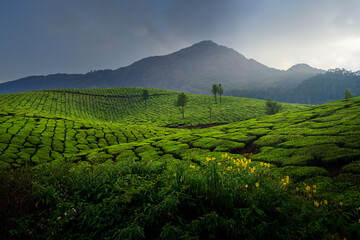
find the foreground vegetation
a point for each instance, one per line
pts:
(224, 199)
(293, 175)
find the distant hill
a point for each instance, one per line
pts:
(193, 70)
(326, 87)
(318, 89)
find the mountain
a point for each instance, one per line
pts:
(193, 70)
(296, 74)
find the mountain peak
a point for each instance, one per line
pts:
(304, 68)
(205, 43)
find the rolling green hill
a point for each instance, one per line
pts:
(265, 174)
(123, 105)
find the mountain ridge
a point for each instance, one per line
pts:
(192, 69)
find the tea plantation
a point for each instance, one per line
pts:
(124, 105)
(98, 164)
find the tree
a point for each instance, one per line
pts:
(272, 107)
(145, 96)
(181, 102)
(215, 90)
(348, 94)
(220, 91)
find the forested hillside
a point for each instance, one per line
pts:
(318, 89)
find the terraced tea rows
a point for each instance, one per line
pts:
(123, 105)
(29, 140)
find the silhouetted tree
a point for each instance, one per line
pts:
(181, 102)
(215, 90)
(348, 94)
(220, 91)
(272, 107)
(145, 96)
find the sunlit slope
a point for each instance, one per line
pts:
(319, 146)
(124, 105)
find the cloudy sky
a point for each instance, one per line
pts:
(40, 37)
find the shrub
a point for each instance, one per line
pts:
(353, 167)
(272, 107)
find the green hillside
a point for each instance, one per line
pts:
(123, 105)
(293, 175)
(313, 145)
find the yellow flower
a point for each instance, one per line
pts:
(309, 194)
(249, 160)
(314, 186)
(341, 203)
(222, 155)
(314, 190)
(219, 163)
(325, 202)
(307, 188)
(297, 189)
(223, 172)
(257, 184)
(316, 203)
(213, 158)
(246, 186)
(225, 154)
(208, 159)
(261, 164)
(192, 166)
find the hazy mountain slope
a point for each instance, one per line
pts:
(192, 70)
(326, 87)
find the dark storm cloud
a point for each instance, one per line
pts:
(42, 37)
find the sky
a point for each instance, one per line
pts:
(41, 37)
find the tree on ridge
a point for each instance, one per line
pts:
(181, 102)
(215, 90)
(348, 94)
(220, 91)
(145, 96)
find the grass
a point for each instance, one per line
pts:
(108, 167)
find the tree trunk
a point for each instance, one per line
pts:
(210, 115)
